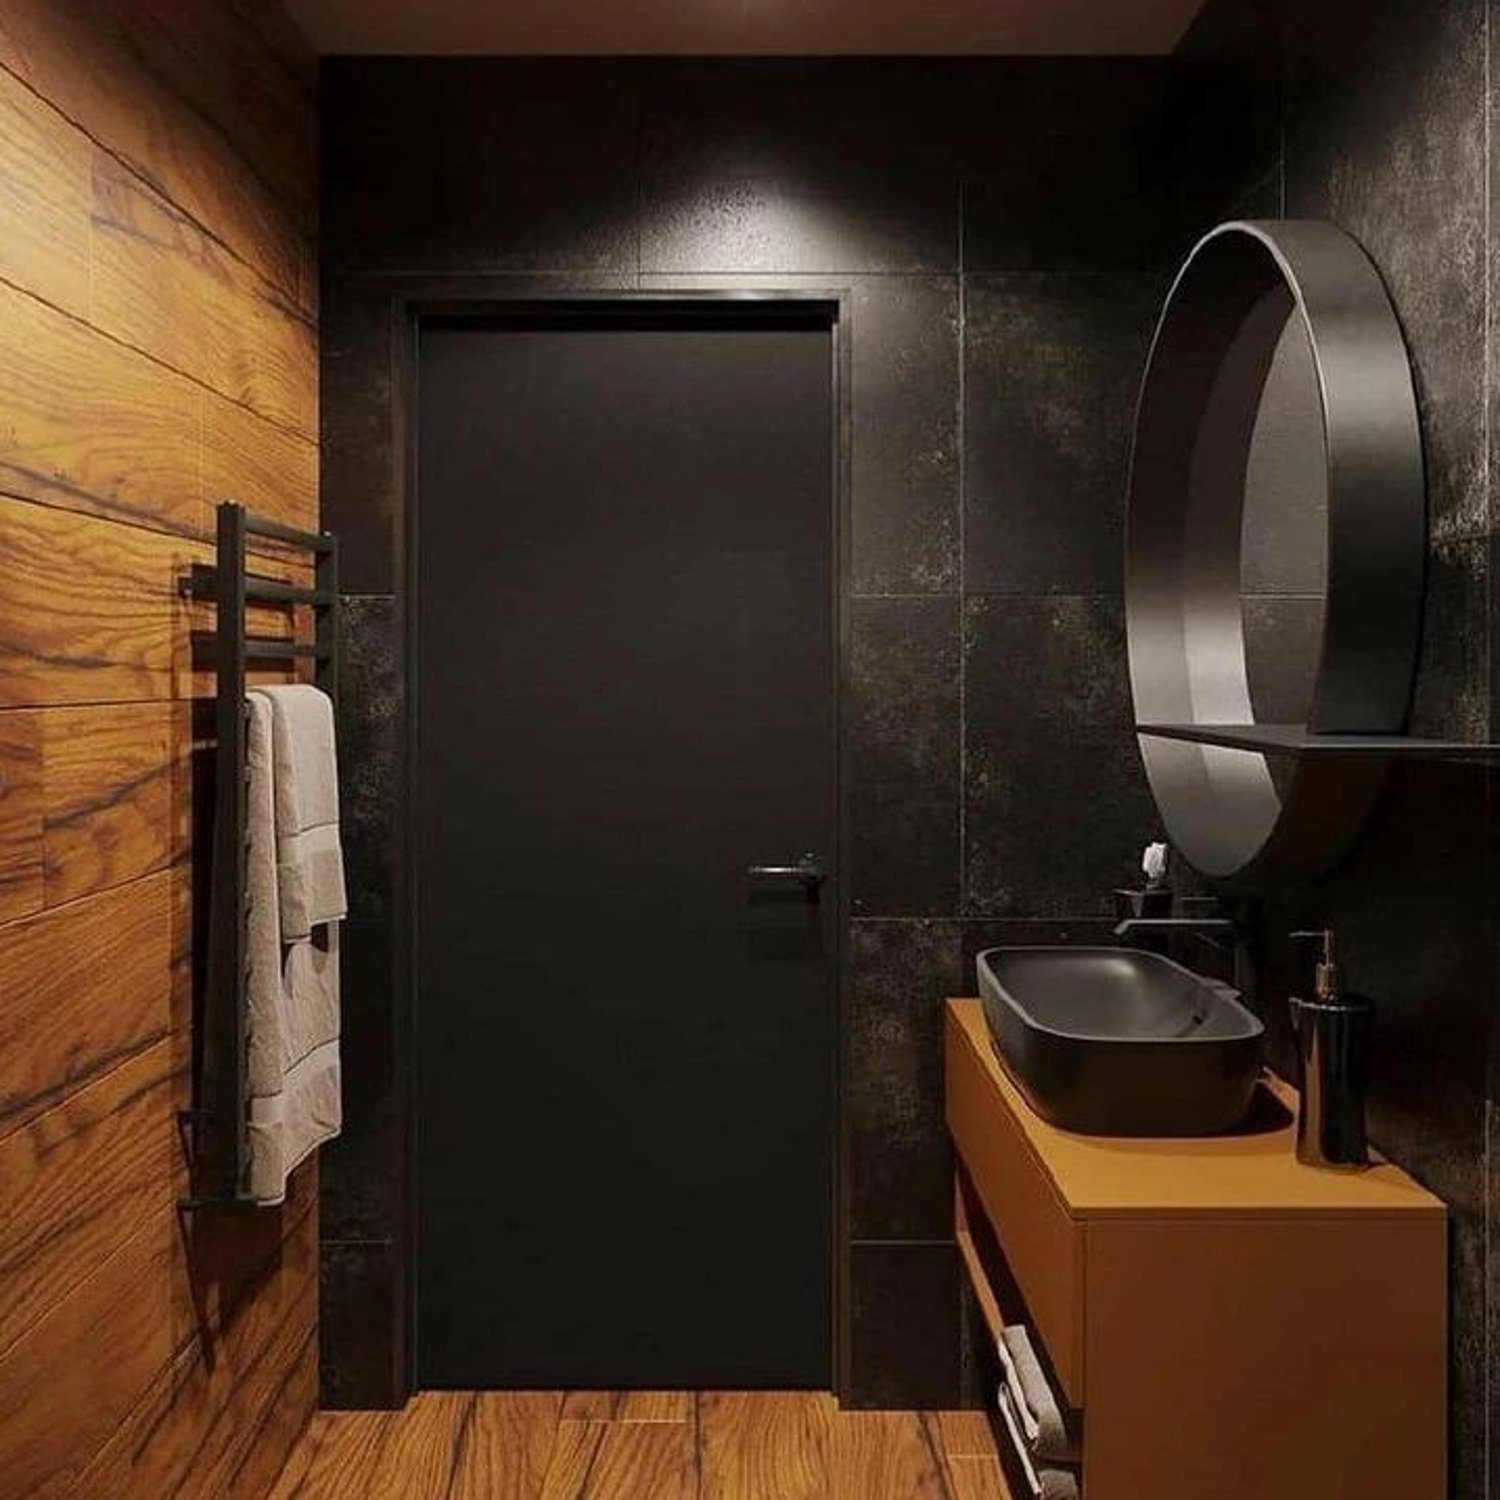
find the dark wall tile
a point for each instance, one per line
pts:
(1063, 166)
(904, 1350)
(905, 459)
(979, 1371)
(1056, 808)
(1224, 116)
(900, 1161)
(1386, 136)
(1413, 906)
(797, 166)
(1451, 699)
(903, 691)
(1025, 932)
(361, 1176)
(371, 706)
(359, 1290)
(1052, 366)
(479, 164)
(360, 485)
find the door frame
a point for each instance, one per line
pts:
(426, 301)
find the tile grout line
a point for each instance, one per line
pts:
(961, 430)
(1487, 428)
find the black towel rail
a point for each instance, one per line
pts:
(217, 1121)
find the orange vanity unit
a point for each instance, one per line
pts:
(1226, 1323)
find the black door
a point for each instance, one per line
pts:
(625, 697)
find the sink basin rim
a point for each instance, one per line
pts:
(1223, 995)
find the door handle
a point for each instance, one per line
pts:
(807, 872)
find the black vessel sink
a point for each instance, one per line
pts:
(1114, 1041)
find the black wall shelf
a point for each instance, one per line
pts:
(1299, 740)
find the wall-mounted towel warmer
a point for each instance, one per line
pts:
(217, 1119)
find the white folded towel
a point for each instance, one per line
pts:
(1043, 1424)
(292, 998)
(310, 860)
(1044, 1483)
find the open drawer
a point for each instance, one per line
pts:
(1044, 1248)
(1000, 1307)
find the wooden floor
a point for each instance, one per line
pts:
(641, 1445)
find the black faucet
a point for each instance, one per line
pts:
(1226, 934)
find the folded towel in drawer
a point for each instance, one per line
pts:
(1045, 1429)
(1045, 1482)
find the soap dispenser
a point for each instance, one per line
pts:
(1332, 1033)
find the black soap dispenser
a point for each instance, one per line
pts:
(1332, 1033)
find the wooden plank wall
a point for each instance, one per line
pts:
(158, 352)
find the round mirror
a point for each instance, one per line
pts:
(1275, 545)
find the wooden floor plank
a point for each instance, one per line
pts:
(419, 1454)
(884, 1453)
(655, 1406)
(765, 1445)
(974, 1478)
(610, 1445)
(337, 1456)
(507, 1446)
(572, 1460)
(962, 1434)
(591, 1406)
(641, 1461)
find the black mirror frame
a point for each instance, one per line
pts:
(1218, 331)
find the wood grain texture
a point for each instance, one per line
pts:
(264, 467)
(85, 987)
(508, 1444)
(116, 795)
(627, 1406)
(74, 1375)
(164, 286)
(81, 1180)
(90, 611)
(733, 1445)
(21, 814)
(156, 354)
(285, 41)
(44, 199)
(974, 1478)
(222, 1417)
(768, 1443)
(263, 112)
(639, 1461)
(962, 1434)
(87, 608)
(884, 1453)
(107, 66)
(88, 424)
